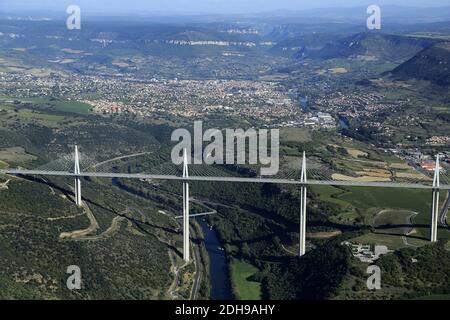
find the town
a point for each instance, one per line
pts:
(256, 102)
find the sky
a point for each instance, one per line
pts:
(200, 6)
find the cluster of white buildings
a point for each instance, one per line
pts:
(438, 140)
(366, 252)
(321, 119)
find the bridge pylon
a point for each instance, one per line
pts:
(77, 179)
(185, 208)
(435, 202)
(303, 196)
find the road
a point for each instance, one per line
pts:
(288, 251)
(176, 280)
(93, 226)
(4, 185)
(176, 271)
(444, 211)
(82, 234)
(198, 266)
(222, 179)
(410, 220)
(198, 272)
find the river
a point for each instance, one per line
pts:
(343, 122)
(218, 265)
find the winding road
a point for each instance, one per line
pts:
(444, 211)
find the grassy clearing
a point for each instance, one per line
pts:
(389, 222)
(347, 213)
(365, 198)
(30, 114)
(72, 106)
(413, 175)
(391, 217)
(5, 107)
(393, 242)
(60, 105)
(415, 200)
(356, 153)
(295, 134)
(246, 289)
(368, 178)
(401, 166)
(3, 164)
(368, 202)
(330, 194)
(16, 154)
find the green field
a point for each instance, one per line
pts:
(388, 221)
(30, 114)
(72, 106)
(60, 105)
(3, 165)
(361, 200)
(16, 155)
(365, 198)
(393, 242)
(246, 289)
(332, 195)
(367, 202)
(410, 199)
(295, 134)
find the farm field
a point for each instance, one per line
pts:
(14, 155)
(58, 105)
(368, 202)
(246, 289)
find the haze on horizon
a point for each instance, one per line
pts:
(200, 6)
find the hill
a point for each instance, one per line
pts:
(431, 64)
(379, 46)
(332, 273)
(110, 239)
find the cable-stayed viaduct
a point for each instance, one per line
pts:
(303, 183)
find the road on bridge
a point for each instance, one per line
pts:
(222, 179)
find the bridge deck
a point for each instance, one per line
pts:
(222, 179)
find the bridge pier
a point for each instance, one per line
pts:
(77, 179)
(303, 197)
(435, 203)
(186, 256)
